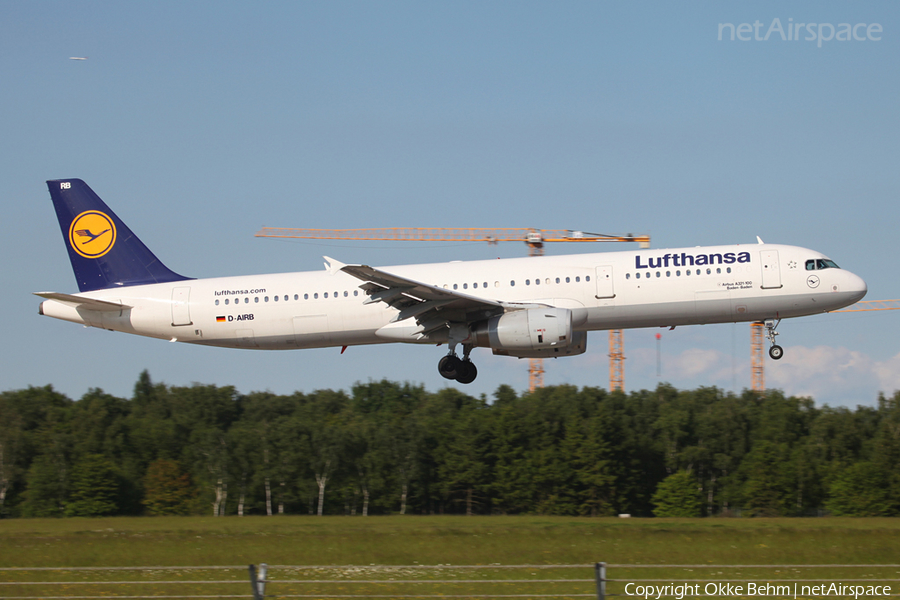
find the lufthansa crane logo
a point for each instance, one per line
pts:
(812, 281)
(92, 234)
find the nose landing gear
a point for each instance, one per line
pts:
(775, 351)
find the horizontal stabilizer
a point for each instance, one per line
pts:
(81, 302)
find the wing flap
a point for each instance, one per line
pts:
(431, 306)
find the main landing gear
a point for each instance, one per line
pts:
(461, 369)
(776, 351)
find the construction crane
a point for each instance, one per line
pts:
(533, 238)
(757, 362)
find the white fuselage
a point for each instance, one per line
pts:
(616, 290)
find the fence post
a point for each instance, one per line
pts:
(261, 580)
(600, 574)
(254, 583)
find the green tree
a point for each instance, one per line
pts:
(765, 489)
(678, 495)
(859, 491)
(45, 494)
(11, 448)
(93, 487)
(167, 489)
(460, 458)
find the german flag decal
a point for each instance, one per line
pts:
(220, 319)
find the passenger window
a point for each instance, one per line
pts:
(475, 286)
(687, 272)
(678, 273)
(728, 270)
(512, 283)
(356, 292)
(567, 280)
(226, 301)
(718, 270)
(637, 275)
(455, 286)
(276, 298)
(627, 275)
(306, 296)
(588, 277)
(658, 274)
(484, 285)
(668, 273)
(708, 271)
(346, 294)
(325, 295)
(335, 294)
(296, 296)
(557, 280)
(316, 296)
(578, 280)
(547, 281)
(527, 282)
(217, 302)
(537, 282)
(266, 299)
(256, 299)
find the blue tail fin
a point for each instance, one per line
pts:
(104, 252)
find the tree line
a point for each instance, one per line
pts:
(389, 448)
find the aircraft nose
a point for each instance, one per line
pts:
(857, 287)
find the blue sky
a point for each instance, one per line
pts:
(201, 122)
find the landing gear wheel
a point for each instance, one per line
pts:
(466, 372)
(776, 352)
(448, 366)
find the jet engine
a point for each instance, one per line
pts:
(531, 333)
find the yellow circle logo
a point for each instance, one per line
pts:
(92, 234)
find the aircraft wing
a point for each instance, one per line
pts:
(81, 302)
(432, 307)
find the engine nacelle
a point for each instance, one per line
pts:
(531, 333)
(578, 346)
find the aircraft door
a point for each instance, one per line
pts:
(771, 273)
(181, 310)
(604, 286)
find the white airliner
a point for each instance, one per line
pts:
(538, 307)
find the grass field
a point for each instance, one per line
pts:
(408, 540)
(194, 541)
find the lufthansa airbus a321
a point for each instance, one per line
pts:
(538, 307)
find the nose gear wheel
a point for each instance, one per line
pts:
(776, 351)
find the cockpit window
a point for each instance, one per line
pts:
(820, 263)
